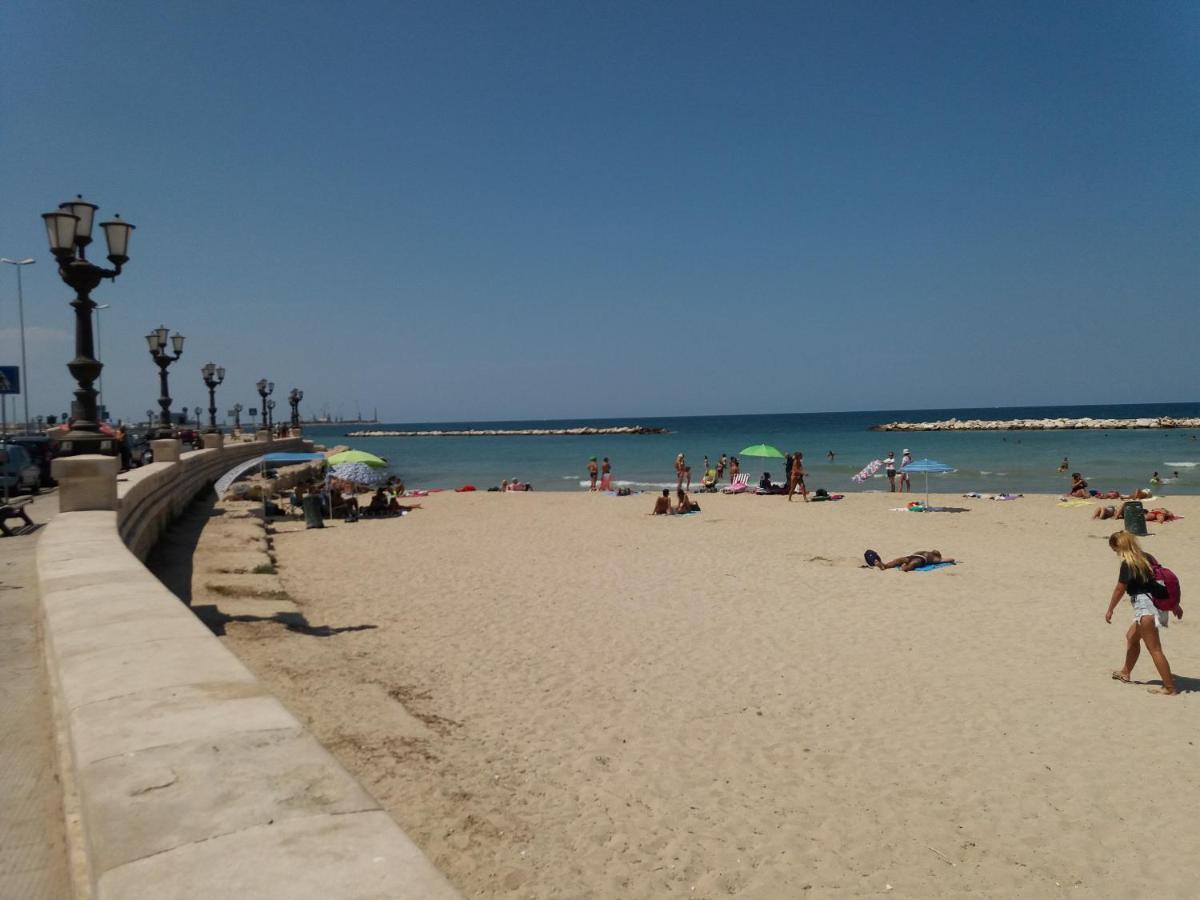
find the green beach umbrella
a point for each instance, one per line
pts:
(765, 450)
(357, 456)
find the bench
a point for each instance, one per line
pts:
(14, 509)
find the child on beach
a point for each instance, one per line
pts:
(1136, 578)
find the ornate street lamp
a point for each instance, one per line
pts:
(213, 375)
(294, 398)
(197, 411)
(270, 414)
(157, 339)
(69, 229)
(236, 412)
(150, 417)
(264, 390)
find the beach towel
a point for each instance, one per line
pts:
(931, 567)
(1068, 504)
(871, 468)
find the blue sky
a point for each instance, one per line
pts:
(481, 211)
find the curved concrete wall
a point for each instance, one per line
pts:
(190, 779)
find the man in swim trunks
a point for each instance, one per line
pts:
(592, 473)
(907, 563)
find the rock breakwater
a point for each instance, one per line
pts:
(1037, 424)
(514, 432)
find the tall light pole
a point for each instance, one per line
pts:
(20, 264)
(264, 390)
(99, 356)
(69, 229)
(157, 339)
(212, 375)
(294, 399)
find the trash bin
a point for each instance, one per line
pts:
(312, 511)
(1135, 517)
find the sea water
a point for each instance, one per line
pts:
(984, 461)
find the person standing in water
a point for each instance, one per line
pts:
(605, 474)
(1136, 578)
(889, 468)
(680, 465)
(592, 473)
(830, 456)
(905, 481)
(1064, 466)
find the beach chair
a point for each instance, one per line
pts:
(740, 484)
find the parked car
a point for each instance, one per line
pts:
(42, 450)
(18, 471)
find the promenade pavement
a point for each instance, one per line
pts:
(33, 855)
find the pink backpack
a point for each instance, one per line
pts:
(1169, 583)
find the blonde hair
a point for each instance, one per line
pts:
(1131, 553)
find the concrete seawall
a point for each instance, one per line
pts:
(184, 776)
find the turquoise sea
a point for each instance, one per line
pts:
(988, 462)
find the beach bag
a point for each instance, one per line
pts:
(1167, 584)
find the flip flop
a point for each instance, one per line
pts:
(871, 558)
(1117, 676)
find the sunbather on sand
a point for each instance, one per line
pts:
(907, 563)
(1079, 487)
(684, 505)
(662, 506)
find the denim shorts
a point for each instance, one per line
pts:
(1143, 605)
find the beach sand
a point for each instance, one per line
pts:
(557, 695)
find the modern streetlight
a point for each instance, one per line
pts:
(213, 375)
(157, 339)
(294, 398)
(69, 229)
(20, 264)
(99, 353)
(264, 389)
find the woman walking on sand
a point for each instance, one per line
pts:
(796, 477)
(1136, 579)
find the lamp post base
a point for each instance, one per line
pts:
(81, 443)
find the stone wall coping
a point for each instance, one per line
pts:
(189, 777)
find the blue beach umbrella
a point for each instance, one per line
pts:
(925, 466)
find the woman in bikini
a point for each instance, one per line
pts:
(906, 563)
(1136, 578)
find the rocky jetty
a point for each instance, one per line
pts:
(1036, 424)
(514, 432)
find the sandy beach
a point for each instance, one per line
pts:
(557, 695)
